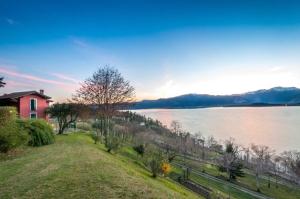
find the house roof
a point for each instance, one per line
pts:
(17, 95)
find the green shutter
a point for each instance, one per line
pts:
(32, 105)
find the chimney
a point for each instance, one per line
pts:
(41, 91)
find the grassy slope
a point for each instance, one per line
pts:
(74, 167)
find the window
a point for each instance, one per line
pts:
(32, 115)
(33, 104)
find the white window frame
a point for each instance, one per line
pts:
(36, 107)
(33, 113)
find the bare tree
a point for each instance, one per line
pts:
(106, 91)
(276, 168)
(213, 145)
(262, 155)
(200, 142)
(291, 160)
(175, 127)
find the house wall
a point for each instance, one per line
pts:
(24, 105)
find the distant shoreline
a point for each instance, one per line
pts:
(226, 106)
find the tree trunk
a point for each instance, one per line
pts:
(61, 130)
(257, 182)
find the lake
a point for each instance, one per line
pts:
(276, 127)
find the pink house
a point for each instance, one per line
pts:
(30, 104)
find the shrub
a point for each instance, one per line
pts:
(165, 168)
(40, 132)
(95, 137)
(140, 149)
(84, 126)
(98, 127)
(113, 143)
(11, 135)
(7, 114)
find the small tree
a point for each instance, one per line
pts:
(65, 113)
(2, 83)
(229, 161)
(262, 155)
(154, 160)
(175, 127)
(200, 142)
(171, 155)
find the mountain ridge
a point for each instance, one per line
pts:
(264, 97)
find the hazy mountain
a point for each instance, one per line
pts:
(265, 97)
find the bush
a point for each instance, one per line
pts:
(7, 114)
(84, 126)
(98, 127)
(96, 137)
(11, 135)
(113, 143)
(140, 149)
(40, 132)
(165, 168)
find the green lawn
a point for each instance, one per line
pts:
(74, 167)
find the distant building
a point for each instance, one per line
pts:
(29, 104)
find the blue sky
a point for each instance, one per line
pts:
(165, 48)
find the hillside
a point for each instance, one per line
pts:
(264, 97)
(74, 167)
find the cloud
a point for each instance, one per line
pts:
(16, 85)
(64, 77)
(168, 89)
(276, 69)
(17, 81)
(79, 42)
(32, 78)
(92, 51)
(11, 21)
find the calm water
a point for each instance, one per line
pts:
(276, 127)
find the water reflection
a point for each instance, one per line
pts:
(277, 127)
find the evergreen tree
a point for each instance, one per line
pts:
(2, 84)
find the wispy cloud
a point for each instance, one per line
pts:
(64, 77)
(276, 69)
(11, 21)
(31, 77)
(79, 42)
(92, 50)
(16, 85)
